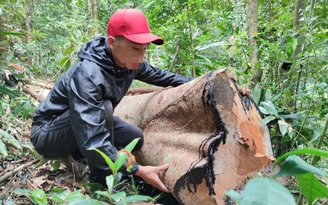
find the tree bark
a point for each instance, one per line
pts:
(207, 131)
(298, 15)
(28, 28)
(252, 15)
(94, 12)
(2, 37)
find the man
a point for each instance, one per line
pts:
(78, 112)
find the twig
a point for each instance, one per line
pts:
(177, 48)
(17, 169)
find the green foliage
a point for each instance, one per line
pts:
(269, 191)
(120, 197)
(207, 34)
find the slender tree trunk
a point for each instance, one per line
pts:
(252, 15)
(28, 25)
(192, 43)
(2, 37)
(94, 13)
(86, 10)
(298, 15)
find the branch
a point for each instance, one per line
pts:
(17, 169)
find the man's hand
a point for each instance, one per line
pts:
(152, 175)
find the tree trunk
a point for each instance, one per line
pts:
(94, 12)
(28, 28)
(298, 16)
(2, 37)
(252, 13)
(207, 131)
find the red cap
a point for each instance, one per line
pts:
(133, 25)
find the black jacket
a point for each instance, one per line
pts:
(83, 88)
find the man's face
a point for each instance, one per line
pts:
(127, 53)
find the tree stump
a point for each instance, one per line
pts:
(207, 131)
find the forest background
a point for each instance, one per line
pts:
(277, 49)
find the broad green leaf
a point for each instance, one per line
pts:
(120, 159)
(12, 140)
(60, 197)
(39, 196)
(296, 165)
(3, 148)
(282, 127)
(295, 43)
(136, 198)
(104, 193)
(55, 164)
(310, 187)
(22, 191)
(316, 152)
(257, 94)
(264, 111)
(86, 202)
(132, 144)
(234, 195)
(26, 110)
(8, 92)
(267, 120)
(107, 159)
(10, 33)
(64, 61)
(270, 107)
(110, 183)
(119, 196)
(259, 191)
(74, 195)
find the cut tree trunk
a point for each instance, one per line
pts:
(207, 131)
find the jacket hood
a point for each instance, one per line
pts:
(98, 51)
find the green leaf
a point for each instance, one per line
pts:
(132, 144)
(10, 33)
(257, 94)
(310, 187)
(12, 140)
(296, 165)
(120, 159)
(259, 191)
(136, 198)
(8, 92)
(26, 110)
(3, 148)
(283, 128)
(63, 61)
(107, 159)
(110, 183)
(269, 106)
(313, 151)
(74, 195)
(39, 196)
(267, 120)
(21, 191)
(119, 196)
(86, 202)
(55, 164)
(234, 195)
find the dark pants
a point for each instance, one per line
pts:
(56, 139)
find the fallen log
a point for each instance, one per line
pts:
(207, 131)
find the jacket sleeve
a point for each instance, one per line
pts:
(156, 76)
(85, 94)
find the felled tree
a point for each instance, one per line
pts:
(209, 133)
